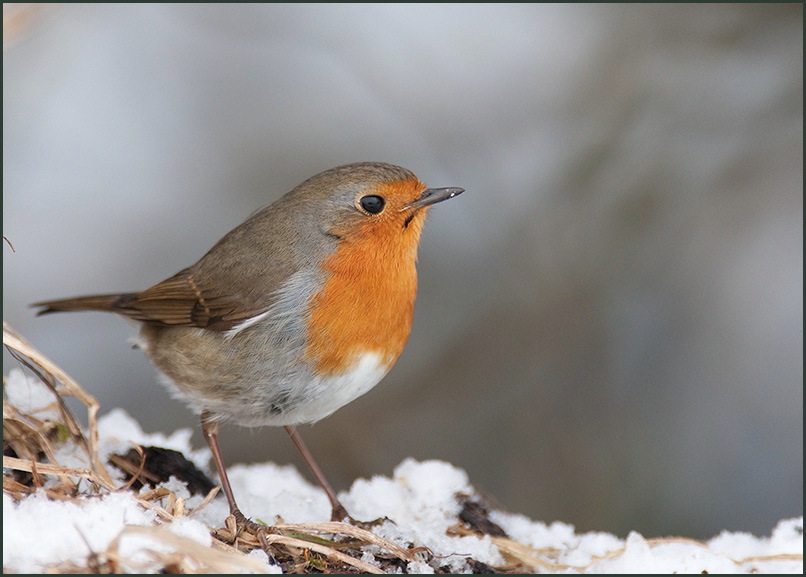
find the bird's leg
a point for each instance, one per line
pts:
(338, 512)
(210, 430)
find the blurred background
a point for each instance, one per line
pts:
(609, 328)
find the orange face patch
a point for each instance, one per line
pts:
(367, 301)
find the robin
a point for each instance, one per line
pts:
(294, 313)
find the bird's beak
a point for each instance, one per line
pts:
(432, 196)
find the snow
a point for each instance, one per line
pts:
(419, 504)
(75, 529)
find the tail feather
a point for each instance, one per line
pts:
(110, 303)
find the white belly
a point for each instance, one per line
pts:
(293, 398)
(327, 394)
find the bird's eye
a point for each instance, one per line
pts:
(372, 203)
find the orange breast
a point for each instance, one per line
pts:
(367, 301)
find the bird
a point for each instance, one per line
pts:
(296, 312)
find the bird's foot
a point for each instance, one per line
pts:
(340, 515)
